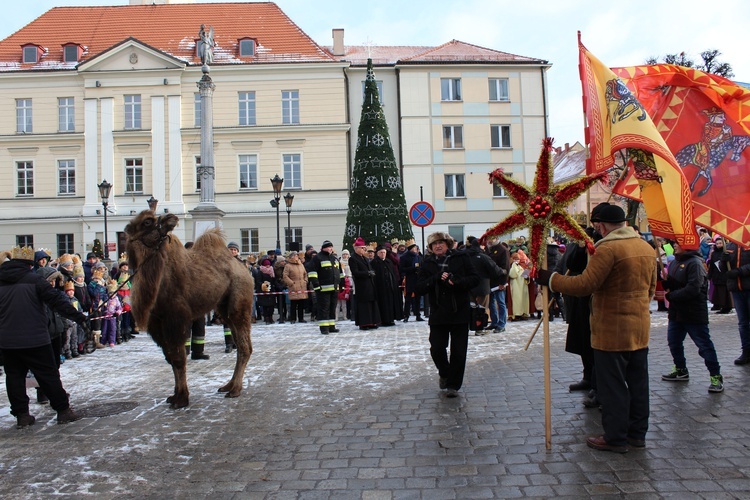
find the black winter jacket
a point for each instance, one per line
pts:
(449, 304)
(23, 293)
(738, 261)
(688, 289)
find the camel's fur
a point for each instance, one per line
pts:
(173, 286)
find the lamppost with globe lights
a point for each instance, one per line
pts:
(104, 189)
(277, 183)
(288, 200)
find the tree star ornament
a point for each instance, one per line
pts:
(543, 206)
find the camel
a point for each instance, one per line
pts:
(172, 286)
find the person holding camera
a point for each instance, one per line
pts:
(447, 277)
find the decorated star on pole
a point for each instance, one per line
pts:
(543, 206)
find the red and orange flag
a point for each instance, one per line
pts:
(705, 121)
(618, 124)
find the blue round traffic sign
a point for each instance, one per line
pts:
(421, 214)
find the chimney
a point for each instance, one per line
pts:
(567, 147)
(338, 41)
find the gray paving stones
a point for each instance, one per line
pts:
(358, 415)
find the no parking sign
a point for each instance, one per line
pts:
(421, 214)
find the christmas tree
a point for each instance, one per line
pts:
(377, 205)
(97, 249)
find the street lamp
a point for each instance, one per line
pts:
(289, 199)
(152, 202)
(277, 183)
(104, 189)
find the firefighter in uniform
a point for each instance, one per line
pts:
(325, 278)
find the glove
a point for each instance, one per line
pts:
(543, 276)
(733, 274)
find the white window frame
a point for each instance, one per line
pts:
(248, 172)
(197, 109)
(249, 240)
(244, 44)
(25, 178)
(30, 54)
(499, 191)
(450, 89)
(133, 176)
(453, 137)
(499, 87)
(66, 114)
(24, 116)
(292, 166)
(66, 177)
(379, 84)
(290, 107)
(453, 187)
(133, 111)
(65, 243)
(246, 106)
(498, 135)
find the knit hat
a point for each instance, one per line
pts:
(359, 242)
(91, 255)
(234, 245)
(345, 252)
(266, 262)
(326, 244)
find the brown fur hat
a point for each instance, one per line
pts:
(437, 236)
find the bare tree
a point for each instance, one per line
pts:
(710, 63)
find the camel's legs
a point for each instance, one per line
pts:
(178, 359)
(243, 341)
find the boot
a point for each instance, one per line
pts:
(97, 338)
(744, 358)
(68, 415)
(24, 420)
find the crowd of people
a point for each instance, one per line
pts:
(604, 298)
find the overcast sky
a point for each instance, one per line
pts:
(619, 34)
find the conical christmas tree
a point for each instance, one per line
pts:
(377, 205)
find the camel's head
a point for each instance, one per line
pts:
(147, 231)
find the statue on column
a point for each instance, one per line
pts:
(206, 45)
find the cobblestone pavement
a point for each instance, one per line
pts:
(359, 415)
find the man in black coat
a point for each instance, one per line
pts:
(447, 277)
(409, 265)
(687, 294)
(366, 312)
(24, 337)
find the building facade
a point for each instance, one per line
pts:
(116, 99)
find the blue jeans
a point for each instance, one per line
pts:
(498, 310)
(742, 306)
(676, 333)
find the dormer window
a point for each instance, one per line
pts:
(31, 53)
(247, 47)
(71, 52)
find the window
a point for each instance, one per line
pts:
(25, 172)
(25, 240)
(132, 111)
(450, 89)
(499, 89)
(499, 191)
(66, 121)
(23, 116)
(292, 171)
(30, 54)
(197, 173)
(379, 83)
(500, 136)
(249, 241)
(247, 48)
(456, 232)
(290, 107)
(65, 244)
(248, 171)
(453, 137)
(197, 108)
(247, 108)
(454, 186)
(66, 175)
(70, 53)
(133, 175)
(292, 235)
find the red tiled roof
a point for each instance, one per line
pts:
(170, 28)
(454, 51)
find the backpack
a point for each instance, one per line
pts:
(479, 319)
